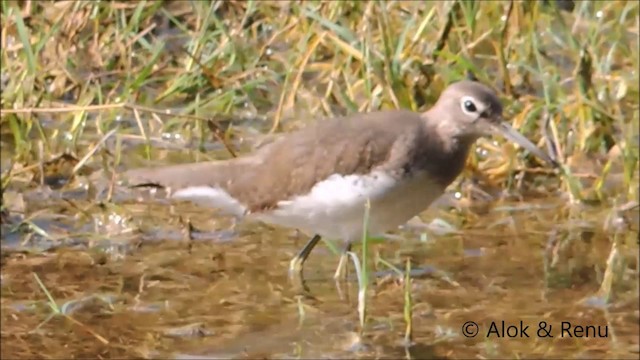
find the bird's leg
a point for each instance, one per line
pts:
(341, 270)
(295, 266)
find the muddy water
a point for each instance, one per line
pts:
(225, 293)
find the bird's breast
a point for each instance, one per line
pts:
(335, 207)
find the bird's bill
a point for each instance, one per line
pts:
(511, 134)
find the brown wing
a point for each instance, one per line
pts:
(294, 163)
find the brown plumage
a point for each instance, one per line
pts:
(398, 140)
(304, 179)
(293, 164)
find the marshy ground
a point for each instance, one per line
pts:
(90, 89)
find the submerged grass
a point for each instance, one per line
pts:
(64, 312)
(408, 305)
(363, 280)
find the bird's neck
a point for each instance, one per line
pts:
(448, 133)
(448, 151)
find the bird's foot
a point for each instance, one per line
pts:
(295, 266)
(341, 271)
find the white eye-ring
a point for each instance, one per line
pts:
(468, 105)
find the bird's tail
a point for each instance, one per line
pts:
(174, 176)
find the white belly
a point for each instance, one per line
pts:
(335, 207)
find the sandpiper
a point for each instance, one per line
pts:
(319, 178)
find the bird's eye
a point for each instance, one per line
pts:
(469, 106)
